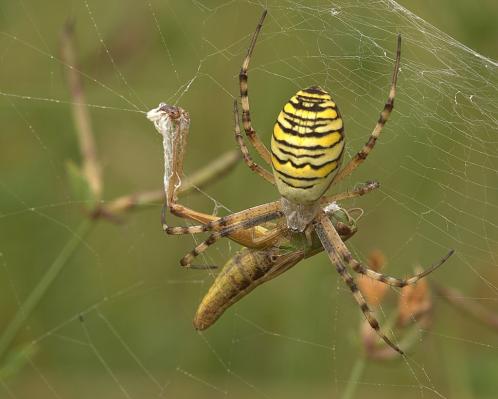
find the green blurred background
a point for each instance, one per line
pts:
(298, 335)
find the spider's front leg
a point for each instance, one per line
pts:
(358, 191)
(222, 222)
(360, 157)
(245, 152)
(254, 237)
(244, 97)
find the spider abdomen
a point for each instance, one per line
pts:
(307, 145)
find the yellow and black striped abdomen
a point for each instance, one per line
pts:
(307, 145)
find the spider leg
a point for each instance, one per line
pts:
(360, 157)
(357, 191)
(244, 97)
(186, 261)
(224, 221)
(325, 229)
(245, 152)
(393, 281)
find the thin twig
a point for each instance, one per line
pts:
(468, 306)
(212, 171)
(354, 377)
(91, 165)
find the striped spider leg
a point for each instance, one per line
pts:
(255, 237)
(234, 225)
(244, 97)
(340, 256)
(361, 155)
(245, 152)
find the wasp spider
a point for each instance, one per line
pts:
(306, 149)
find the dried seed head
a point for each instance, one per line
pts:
(373, 290)
(415, 303)
(374, 347)
(376, 260)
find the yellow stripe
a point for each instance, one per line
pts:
(298, 153)
(326, 141)
(327, 113)
(307, 171)
(309, 120)
(331, 126)
(325, 103)
(313, 95)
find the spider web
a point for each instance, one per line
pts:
(116, 320)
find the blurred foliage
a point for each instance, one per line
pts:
(297, 336)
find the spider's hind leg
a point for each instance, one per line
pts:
(394, 281)
(358, 267)
(325, 229)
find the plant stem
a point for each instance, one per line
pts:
(469, 306)
(211, 172)
(43, 285)
(82, 121)
(354, 377)
(458, 377)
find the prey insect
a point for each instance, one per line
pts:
(251, 267)
(306, 151)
